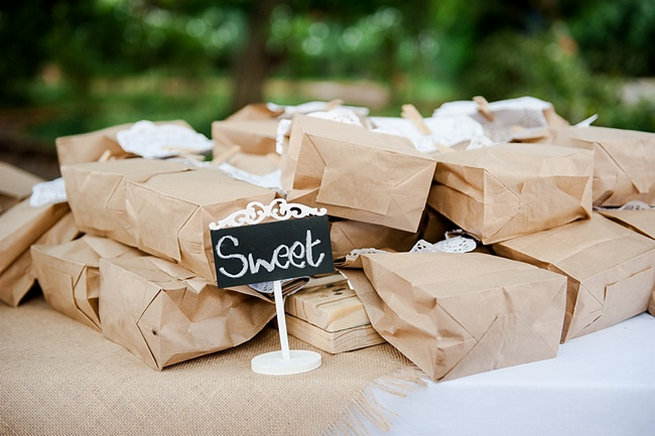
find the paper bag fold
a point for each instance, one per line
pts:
(357, 174)
(17, 279)
(624, 162)
(455, 315)
(609, 268)
(164, 314)
(70, 278)
(508, 190)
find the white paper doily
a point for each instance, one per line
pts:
(50, 192)
(153, 141)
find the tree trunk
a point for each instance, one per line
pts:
(253, 64)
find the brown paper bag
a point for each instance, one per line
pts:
(642, 221)
(255, 136)
(501, 192)
(22, 225)
(15, 185)
(164, 314)
(189, 201)
(255, 111)
(96, 193)
(258, 164)
(651, 305)
(19, 277)
(460, 314)
(89, 147)
(347, 235)
(69, 274)
(611, 270)
(624, 162)
(357, 174)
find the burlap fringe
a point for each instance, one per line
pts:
(365, 408)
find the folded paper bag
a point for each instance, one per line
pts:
(624, 162)
(22, 225)
(69, 274)
(15, 185)
(642, 221)
(459, 314)
(164, 314)
(89, 147)
(171, 213)
(19, 277)
(96, 193)
(501, 192)
(357, 174)
(610, 269)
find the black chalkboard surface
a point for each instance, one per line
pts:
(272, 251)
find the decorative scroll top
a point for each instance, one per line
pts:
(256, 212)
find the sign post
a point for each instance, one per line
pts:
(295, 244)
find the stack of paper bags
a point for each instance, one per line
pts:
(69, 274)
(460, 314)
(163, 208)
(610, 269)
(508, 190)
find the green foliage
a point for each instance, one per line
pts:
(616, 36)
(546, 66)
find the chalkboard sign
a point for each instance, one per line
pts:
(272, 251)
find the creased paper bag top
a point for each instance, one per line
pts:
(96, 193)
(611, 270)
(508, 190)
(357, 174)
(170, 213)
(624, 166)
(164, 314)
(455, 315)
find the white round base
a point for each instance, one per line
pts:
(273, 364)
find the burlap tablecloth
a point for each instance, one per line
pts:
(60, 377)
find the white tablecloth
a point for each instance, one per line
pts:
(600, 384)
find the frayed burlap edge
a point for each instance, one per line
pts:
(365, 407)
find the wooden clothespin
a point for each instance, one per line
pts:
(333, 104)
(225, 155)
(483, 107)
(105, 156)
(412, 114)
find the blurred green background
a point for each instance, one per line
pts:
(75, 66)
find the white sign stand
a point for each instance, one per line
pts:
(285, 361)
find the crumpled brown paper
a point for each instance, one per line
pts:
(164, 314)
(611, 270)
(624, 162)
(19, 277)
(96, 193)
(15, 185)
(69, 274)
(460, 314)
(357, 174)
(89, 147)
(504, 191)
